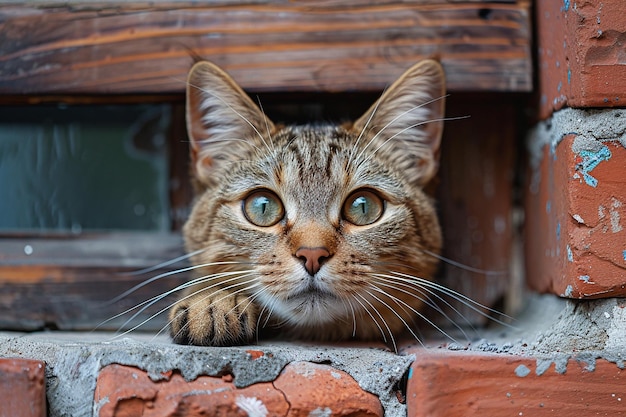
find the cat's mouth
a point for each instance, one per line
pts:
(312, 292)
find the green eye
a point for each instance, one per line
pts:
(363, 207)
(263, 208)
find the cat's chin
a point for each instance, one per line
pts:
(310, 308)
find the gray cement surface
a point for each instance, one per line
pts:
(552, 330)
(73, 361)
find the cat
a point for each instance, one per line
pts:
(323, 231)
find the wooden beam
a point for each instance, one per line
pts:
(72, 283)
(92, 47)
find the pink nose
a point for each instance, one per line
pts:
(313, 258)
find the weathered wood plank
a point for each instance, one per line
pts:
(86, 47)
(476, 201)
(70, 283)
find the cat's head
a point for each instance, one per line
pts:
(329, 222)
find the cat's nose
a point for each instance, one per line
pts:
(313, 258)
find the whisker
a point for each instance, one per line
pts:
(369, 119)
(442, 119)
(164, 328)
(229, 294)
(463, 266)
(393, 340)
(234, 111)
(395, 119)
(347, 304)
(467, 301)
(258, 322)
(427, 300)
(228, 140)
(372, 317)
(154, 300)
(392, 310)
(424, 298)
(164, 275)
(164, 264)
(420, 315)
(189, 284)
(150, 302)
(269, 313)
(267, 126)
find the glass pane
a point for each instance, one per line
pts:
(84, 168)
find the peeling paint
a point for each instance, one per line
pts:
(578, 218)
(589, 160)
(522, 371)
(335, 375)
(616, 227)
(570, 255)
(321, 412)
(624, 254)
(586, 279)
(569, 290)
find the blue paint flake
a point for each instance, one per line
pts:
(566, 4)
(585, 278)
(522, 371)
(570, 255)
(569, 76)
(569, 290)
(624, 254)
(558, 231)
(590, 160)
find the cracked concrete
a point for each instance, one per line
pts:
(592, 128)
(552, 330)
(555, 330)
(74, 359)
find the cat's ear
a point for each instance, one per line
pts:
(406, 123)
(223, 123)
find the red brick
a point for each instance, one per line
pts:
(124, 391)
(467, 384)
(575, 231)
(581, 47)
(22, 388)
(310, 387)
(302, 388)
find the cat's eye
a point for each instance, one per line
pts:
(363, 207)
(263, 208)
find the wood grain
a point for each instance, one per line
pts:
(476, 199)
(69, 282)
(91, 47)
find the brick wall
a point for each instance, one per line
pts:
(576, 194)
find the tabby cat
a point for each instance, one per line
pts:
(322, 231)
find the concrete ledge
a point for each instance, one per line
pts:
(560, 356)
(75, 360)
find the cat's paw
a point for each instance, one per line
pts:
(213, 321)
